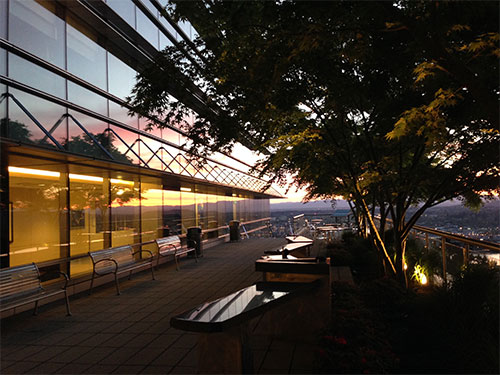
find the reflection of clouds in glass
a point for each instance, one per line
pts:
(121, 77)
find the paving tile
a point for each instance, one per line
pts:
(120, 339)
(170, 357)
(119, 356)
(128, 370)
(97, 339)
(95, 355)
(19, 367)
(183, 370)
(186, 341)
(73, 368)
(142, 340)
(46, 368)
(25, 352)
(71, 354)
(164, 341)
(156, 370)
(101, 369)
(47, 353)
(144, 356)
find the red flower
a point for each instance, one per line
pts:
(363, 360)
(366, 371)
(321, 353)
(340, 340)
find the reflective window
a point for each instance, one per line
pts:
(35, 27)
(186, 27)
(121, 77)
(36, 76)
(3, 19)
(120, 114)
(188, 209)
(48, 114)
(37, 196)
(147, 29)
(125, 210)
(88, 215)
(125, 9)
(87, 99)
(124, 144)
(86, 59)
(80, 142)
(171, 212)
(151, 211)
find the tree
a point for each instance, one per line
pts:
(387, 104)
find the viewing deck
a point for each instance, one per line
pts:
(131, 333)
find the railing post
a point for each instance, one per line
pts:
(443, 251)
(466, 254)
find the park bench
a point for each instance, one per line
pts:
(118, 260)
(171, 245)
(223, 325)
(22, 285)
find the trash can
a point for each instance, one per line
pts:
(193, 237)
(234, 230)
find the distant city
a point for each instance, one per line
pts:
(450, 217)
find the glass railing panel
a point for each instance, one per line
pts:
(25, 129)
(125, 145)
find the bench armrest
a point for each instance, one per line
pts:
(106, 260)
(144, 251)
(170, 247)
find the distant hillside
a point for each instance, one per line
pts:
(310, 206)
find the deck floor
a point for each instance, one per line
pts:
(131, 334)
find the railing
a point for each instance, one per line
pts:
(254, 226)
(158, 153)
(455, 250)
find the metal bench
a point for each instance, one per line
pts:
(171, 245)
(22, 285)
(117, 260)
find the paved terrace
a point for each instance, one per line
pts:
(131, 334)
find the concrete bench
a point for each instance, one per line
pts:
(22, 285)
(223, 324)
(118, 260)
(171, 246)
(297, 248)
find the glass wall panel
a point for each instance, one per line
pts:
(3, 19)
(22, 128)
(147, 29)
(3, 62)
(151, 211)
(121, 77)
(35, 27)
(124, 145)
(202, 210)
(32, 75)
(81, 143)
(212, 215)
(37, 200)
(171, 213)
(125, 210)
(188, 209)
(87, 99)
(86, 59)
(88, 216)
(125, 9)
(151, 153)
(120, 114)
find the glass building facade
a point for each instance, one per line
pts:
(78, 173)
